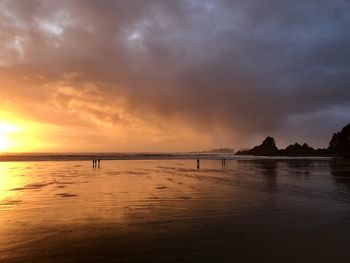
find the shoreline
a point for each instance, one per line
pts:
(148, 156)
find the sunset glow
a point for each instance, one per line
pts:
(6, 133)
(156, 76)
(21, 136)
(174, 131)
(4, 144)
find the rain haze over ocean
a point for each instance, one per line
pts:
(173, 75)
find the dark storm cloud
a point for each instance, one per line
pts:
(242, 67)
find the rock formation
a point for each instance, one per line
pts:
(267, 148)
(298, 150)
(340, 142)
(338, 146)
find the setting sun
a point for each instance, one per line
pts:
(18, 135)
(5, 133)
(3, 143)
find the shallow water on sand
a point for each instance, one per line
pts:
(168, 210)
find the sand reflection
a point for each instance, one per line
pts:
(11, 177)
(70, 204)
(54, 192)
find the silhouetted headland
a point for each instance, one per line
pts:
(339, 145)
(267, 148)
(340, 142)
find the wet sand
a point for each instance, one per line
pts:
(168, 211)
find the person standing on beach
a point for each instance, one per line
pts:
(99, 163)
(93, 163)
(197, 163)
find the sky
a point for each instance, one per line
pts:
(177, 75)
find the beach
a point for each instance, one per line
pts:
(248, 210)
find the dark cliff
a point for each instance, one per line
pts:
(267, 148)
(338, 146)
(340, 142)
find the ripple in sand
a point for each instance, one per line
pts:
(161, 187)
(136, 173)
(66, 195)
(183, 198)
(34, 186)
(10, 202)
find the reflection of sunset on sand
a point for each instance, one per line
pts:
(9, 179)
(108, 194)
(58, 206)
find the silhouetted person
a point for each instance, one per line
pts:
(197, 163)
(223, 161)
(99, 163)
(93, 163)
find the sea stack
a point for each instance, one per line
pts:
(340, 142)
(267, 148)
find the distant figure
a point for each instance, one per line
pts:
(93, 163)
(197, 163)
(99, 163)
